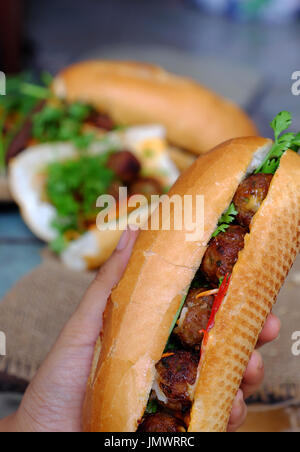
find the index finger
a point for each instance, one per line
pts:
(89, 314)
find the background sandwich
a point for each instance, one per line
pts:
(94, 112)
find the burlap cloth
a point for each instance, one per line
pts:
(4, 190)
(34, 311)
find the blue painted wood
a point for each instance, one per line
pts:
(19, 249)
(16, 260)
(12, 226)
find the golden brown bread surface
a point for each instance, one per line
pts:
(143, 305)
(131, 93)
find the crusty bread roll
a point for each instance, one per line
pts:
(133, 93)
(27, 179)
(142, 307)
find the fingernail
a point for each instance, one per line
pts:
(259, 361)
(240, 397)
(123, 240)
(239, 404)
(261, 364)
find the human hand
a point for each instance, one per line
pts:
(54, 399)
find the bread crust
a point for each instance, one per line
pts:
(134, 93)
(143, 305)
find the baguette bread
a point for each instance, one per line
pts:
(133, 93)
(142, 307)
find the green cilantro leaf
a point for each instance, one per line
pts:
(226, 219)
(63, 123)
(270, 166)
(287, 138)
(79, 111)
(282, 143)
(35, 91)
(281, 122)
(221, 280)
(229, 215)
(17, 104)
(152, 406)
(72, 187)
(58, 245)
(296, 140)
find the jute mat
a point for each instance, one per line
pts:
(33, 313)
(282, 380)
(5, 195)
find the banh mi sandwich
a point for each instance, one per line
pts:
(15, 111)
(57, 187)
(180, 327)
(16, 107)
(57, 179)
(93, 97)
(131, 93)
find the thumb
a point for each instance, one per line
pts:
(89, 314)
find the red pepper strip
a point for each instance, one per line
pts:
(216, 306)
(205, 338)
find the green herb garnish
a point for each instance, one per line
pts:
(152, 407)
(72, 187)
(282, 143)
(59, 244)
(63, 123)
(35, 91)
(22, 96)
(15, 107)
(226, 219)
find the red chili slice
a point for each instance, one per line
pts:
(216, 306)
